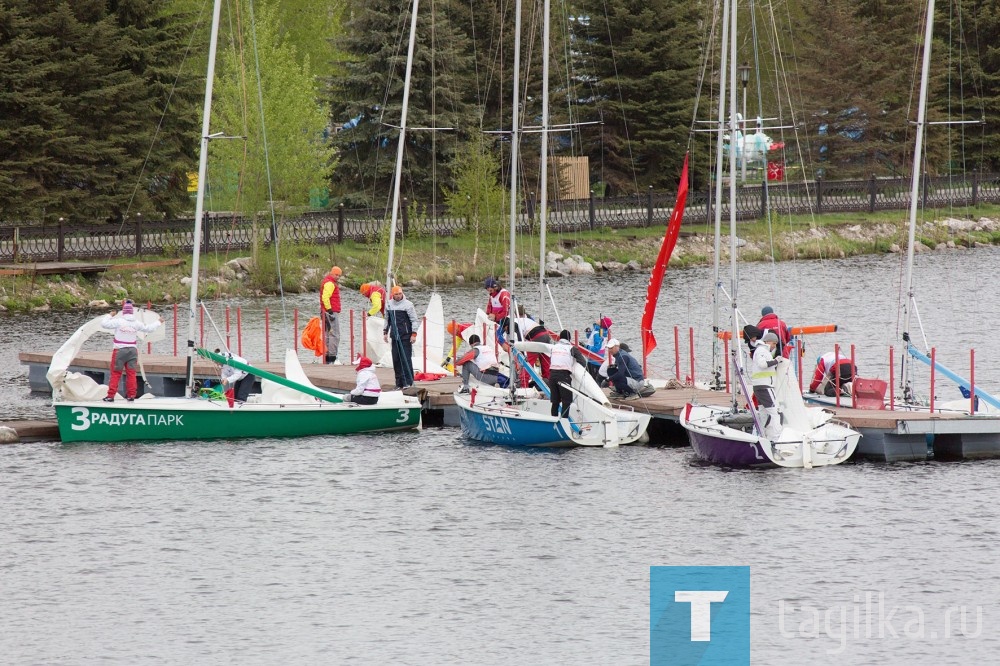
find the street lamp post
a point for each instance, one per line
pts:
(744, 79)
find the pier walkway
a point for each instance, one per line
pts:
(889, 436)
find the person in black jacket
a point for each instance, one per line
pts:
(401, 326)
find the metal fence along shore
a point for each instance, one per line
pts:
(32, 242)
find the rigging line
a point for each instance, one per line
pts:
(758, 83)
(401, 30)
(621, 100)
(166, 107)
(433, 146)
(267, 165)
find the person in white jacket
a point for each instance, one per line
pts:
(125, 355)
(368, 388)
(762, 375)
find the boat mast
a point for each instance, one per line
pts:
(515, 139)
(734, 278)
(718, 197)
(199, 208)
(909, 304)
(400, 146)
(544, 203)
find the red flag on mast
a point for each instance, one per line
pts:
(666, 249)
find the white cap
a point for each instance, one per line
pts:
(613, 342)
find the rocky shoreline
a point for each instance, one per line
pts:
(235, 277)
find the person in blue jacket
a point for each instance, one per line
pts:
(625, 373)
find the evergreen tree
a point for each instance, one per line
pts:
(637, 72)
(857, 73)
(367, 94)
(975, 48)
(83, 87)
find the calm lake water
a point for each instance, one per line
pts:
(423, 548)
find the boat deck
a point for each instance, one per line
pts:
(888, 435)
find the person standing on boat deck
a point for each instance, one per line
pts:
(375, 293)
(826, 375)
(329, 302)
(368, 389)
(498, 305)
(236, 383)
(479, 362)
(401, 326)
(597, 343)
(762, 376)
(624, 372)
(769, 321)
(563, 355)
(126, 354)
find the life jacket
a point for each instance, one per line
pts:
(561, 356)
(329, 291)
(377, 293)
(499, 304)
(763, 374)
(312, 337)
(770, 322)
(486, 358)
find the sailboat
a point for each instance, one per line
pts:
(289, 406)
(732, 435)
(907, 400)
(988, 402)
(522, 417)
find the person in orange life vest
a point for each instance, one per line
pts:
(498, 305)
(375, 293)
(479, 362)
(563, 355)
(125, 355)
(825, 377)
(368, 389)
(329, 303)
(769, 322)
(401, 322)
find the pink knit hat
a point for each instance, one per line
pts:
(127, 308)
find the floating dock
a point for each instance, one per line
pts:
(887, 435)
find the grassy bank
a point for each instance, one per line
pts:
(445, 260)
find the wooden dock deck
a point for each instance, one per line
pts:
(888, 435)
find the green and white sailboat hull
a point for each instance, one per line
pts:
(198, 419)
(288, 406)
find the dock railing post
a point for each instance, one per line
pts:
(933, 355)
(836, 372)
(677, 352)
(691, 348)
(972, 381)
(853, 379)
(892, 381)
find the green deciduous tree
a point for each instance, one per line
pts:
(292, 124)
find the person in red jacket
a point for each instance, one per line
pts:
(329, 302)
(770, 322)
(826, 377)
(498, 305)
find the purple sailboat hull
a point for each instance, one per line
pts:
(728, 452)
